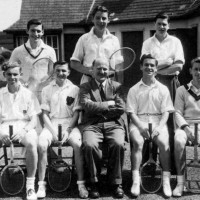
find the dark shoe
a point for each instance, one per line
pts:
(94, 192)
(118, 192)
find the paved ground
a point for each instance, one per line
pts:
(106, 194)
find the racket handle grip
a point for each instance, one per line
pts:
(10, 131)
(196, 133)
(150, 129)
(59, 132)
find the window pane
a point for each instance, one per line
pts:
(55, 43)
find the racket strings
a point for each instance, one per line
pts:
(151, 177)
(59, 176)
(12, 180)
(122, 59)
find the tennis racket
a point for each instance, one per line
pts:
(122, 59)
(59, 173)
(151, 172)
(192, 171)
(41, 75)
(12, 176)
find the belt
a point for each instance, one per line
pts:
(151, 114)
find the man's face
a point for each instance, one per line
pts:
(100, 70)
(149, 67)
(61, 72)
(100, 20)
(162, 27)
(13, 76)
(35, 32)
(195, 72)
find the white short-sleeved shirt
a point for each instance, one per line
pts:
(89, 47)
(22, 107)
(144, 100)
(186, 107)
(170, 47)
(21, 55)
(61, 102)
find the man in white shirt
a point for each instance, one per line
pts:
(19, 107)
(167, 49)
(60, 105)
(99, 42)
(149, 102)
(33, 50)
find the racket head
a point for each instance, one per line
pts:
(122, 59)
(41, 75)
(151, 177)
(59, 176)
(42, 68)
(12, 179)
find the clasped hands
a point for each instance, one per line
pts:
(17, 136)
(65, 137)
(144, 130)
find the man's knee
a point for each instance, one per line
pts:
(180, 139)
(42, 145)
(136, 140)
(163, 142)
(89, 144)
(30, 140)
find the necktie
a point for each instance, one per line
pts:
(103, 97)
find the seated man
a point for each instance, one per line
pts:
(19, 107)
(60, 106)
(149, 101)
(102, 122)
(187, 112)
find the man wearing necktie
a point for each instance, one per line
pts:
(103, 122)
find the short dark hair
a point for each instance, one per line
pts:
(101, 9)
(162, 15)
(147, 56)
(61, 63)
(195, 60)
(9, 65)
(34, 22)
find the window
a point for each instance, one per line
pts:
(21, 40)
(51, 40)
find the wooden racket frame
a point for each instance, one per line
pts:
(150, 161)
(134, 57)
(59, 159)
(11, 164)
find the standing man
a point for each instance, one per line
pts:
(97, 43)
(149, 101)
(33, 50)
(103, 123)
(19, 107)
(187, 112)
(167, 49)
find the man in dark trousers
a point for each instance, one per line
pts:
(103, 122)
